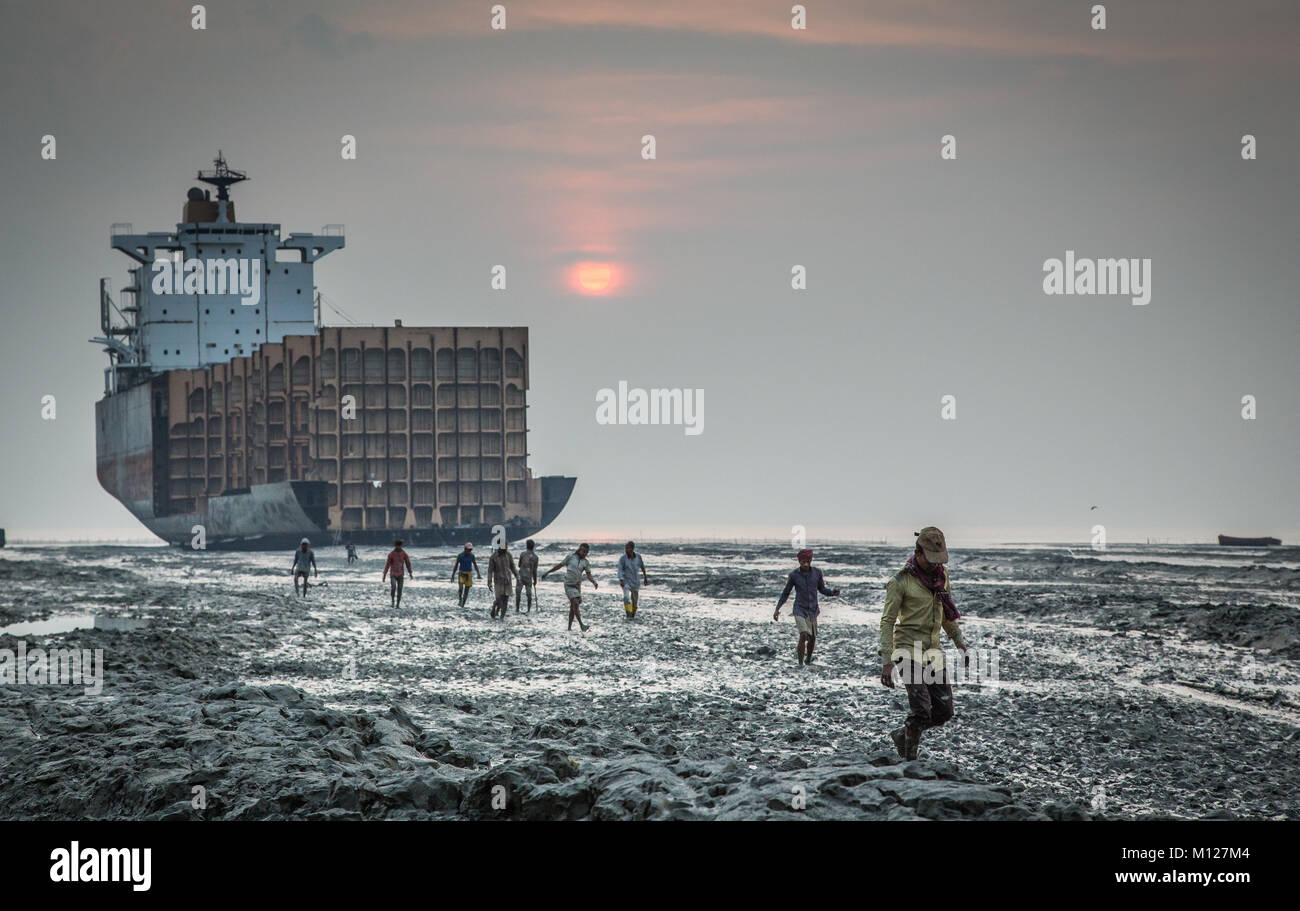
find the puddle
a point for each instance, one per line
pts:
(73, 622)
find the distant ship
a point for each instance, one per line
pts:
(1228, 541)
(233, 419)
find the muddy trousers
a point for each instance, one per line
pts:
(500, 597)
(930, 703)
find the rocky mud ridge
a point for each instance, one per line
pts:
(277, 753)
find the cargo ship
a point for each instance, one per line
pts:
(1229, 541)
(232, 419)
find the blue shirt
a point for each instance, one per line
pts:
(465, 562)
(805, 585)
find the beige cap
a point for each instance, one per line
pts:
(932, 544)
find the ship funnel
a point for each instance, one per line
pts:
(199, 207)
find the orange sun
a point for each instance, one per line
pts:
(593, 278)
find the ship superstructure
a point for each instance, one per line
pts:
(227, 408)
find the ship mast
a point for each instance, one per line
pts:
(222, 177)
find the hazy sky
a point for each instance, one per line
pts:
(775, 147)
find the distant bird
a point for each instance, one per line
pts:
(1093, 508)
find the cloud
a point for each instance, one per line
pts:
(1011, 28)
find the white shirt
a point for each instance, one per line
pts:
(574, 567)
(628, 569)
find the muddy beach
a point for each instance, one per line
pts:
(1149, 682)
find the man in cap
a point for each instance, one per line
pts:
(805, 582)
(461, 572)
(918, 606)
(501, 569)
(303, 558)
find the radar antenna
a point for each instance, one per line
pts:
(221, 177)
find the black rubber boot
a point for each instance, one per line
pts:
(900, 741)
(913, 742)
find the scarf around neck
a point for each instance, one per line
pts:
(935, 582)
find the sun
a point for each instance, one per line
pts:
(593, 278)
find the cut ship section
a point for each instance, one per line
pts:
(260, 427)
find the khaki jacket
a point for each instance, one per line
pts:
(501, 566)
(913, 617)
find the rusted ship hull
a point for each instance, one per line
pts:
(276, 516)
(351, 434)
(1229, 541)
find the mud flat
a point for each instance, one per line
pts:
(340, 707)
(275, 752)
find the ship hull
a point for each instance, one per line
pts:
(432, 537)
(1229, 541)
(278, 516)
(146, 460)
